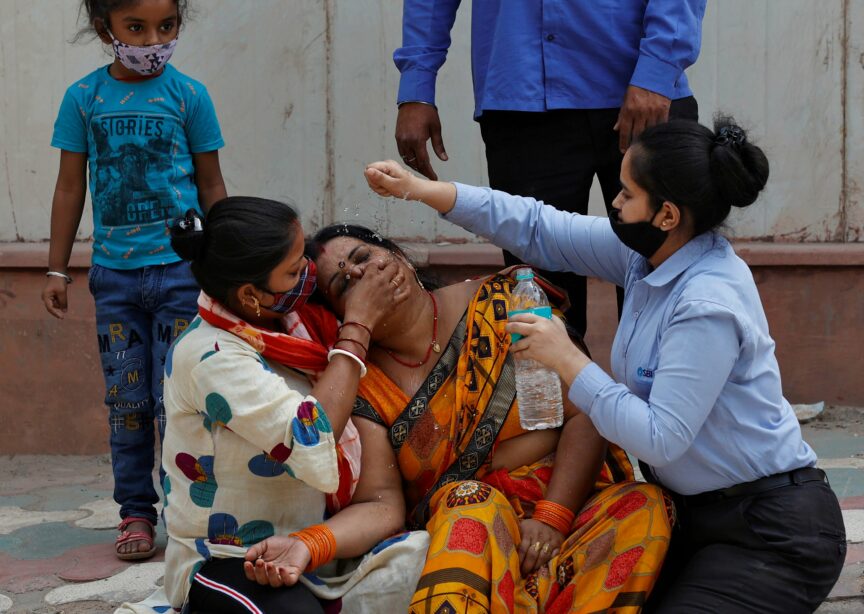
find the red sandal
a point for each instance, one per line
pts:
(135, 536)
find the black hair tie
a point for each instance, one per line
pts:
(730, 135)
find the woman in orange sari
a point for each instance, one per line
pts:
(508, 533)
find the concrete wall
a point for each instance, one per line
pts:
(305, 92)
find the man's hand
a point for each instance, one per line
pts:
(417, 123)
(641, 109)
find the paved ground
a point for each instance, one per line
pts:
(57, 528)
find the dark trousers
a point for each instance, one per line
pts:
(553, 157)
(777, 551)
(221, 587)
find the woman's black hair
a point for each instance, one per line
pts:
(241, 240)
(98, 13)
(704, 173)
(315, 244)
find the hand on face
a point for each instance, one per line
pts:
(373, 290)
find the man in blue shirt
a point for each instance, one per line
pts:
(560, 89)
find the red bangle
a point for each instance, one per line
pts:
(365, 349)
(555, 515)
(320, 542)
(360, 324)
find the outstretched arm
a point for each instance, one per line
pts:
(538, 233)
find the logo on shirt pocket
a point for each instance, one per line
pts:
(644, 373)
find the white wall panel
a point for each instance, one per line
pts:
(305, 91)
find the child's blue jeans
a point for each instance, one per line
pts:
(139, 312)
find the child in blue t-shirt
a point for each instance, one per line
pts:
(151, 138)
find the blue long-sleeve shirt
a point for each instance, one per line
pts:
(697, 392)
(539, 55)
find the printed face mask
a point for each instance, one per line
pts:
(285, 302)
(146, 60)
(642, 237)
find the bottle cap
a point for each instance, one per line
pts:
(524, 274)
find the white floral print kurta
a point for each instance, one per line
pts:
(247, 453)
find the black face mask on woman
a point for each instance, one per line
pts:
(642, 237)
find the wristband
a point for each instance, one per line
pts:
(320, 542)
(59, 274)
(350, 355)
(556, 516)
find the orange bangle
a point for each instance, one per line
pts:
(555, 515)
(321, 543)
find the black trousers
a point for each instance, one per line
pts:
(777, 551)
(553, 157)
(221, 587)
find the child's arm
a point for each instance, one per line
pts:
(66, 210)
(208, 178)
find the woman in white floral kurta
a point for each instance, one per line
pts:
(250, 445)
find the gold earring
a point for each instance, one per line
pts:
(257, 306)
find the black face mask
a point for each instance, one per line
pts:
(642, 237)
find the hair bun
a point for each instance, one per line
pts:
(187, 236)
(739, 168)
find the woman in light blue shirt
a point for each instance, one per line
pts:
(696, 393)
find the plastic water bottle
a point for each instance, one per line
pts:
(538, 389)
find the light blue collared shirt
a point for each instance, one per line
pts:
(697, 392)
(539, 55)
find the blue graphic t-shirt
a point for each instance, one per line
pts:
(139, 138)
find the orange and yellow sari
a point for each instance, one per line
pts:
(444, 438)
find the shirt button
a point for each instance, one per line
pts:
(635, 314)
(550, 37)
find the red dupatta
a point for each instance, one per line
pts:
(310, 333)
